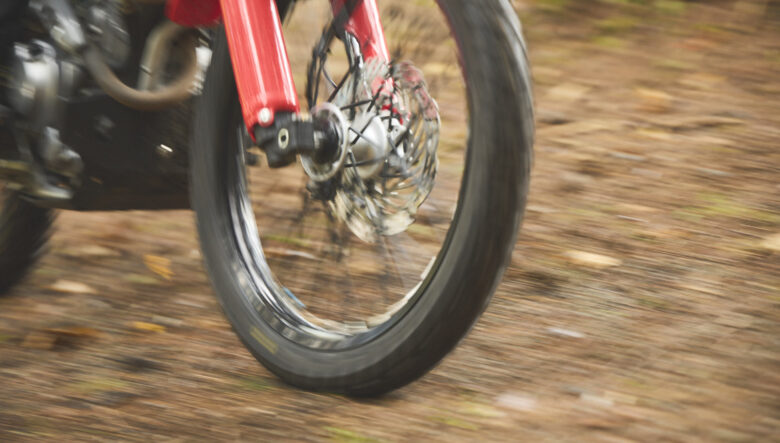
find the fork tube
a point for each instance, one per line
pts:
(260, 64)
(365, 25)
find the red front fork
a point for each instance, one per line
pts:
(259, 56)
(364, 24)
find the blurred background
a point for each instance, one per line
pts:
(642, 301)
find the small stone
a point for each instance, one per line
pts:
(254, 410)
(95, 251)
(593, 260)
(565, 332)
(98, 304)
(187, 301)
(167, 321)
(626, 156)
(633, 219)
(772, 243)
(715, 172)
(567, 92)
(573, 390)
(517, 402)
(71, 287)
(547, 117)
(595, 400)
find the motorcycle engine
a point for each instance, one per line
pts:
(40, 72)
(108, 31)
(104, 80)
(45, 71)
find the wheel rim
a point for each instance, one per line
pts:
(313, 279)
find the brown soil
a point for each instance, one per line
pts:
(642, 302)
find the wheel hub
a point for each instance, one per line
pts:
(369, 144)
(389, 159)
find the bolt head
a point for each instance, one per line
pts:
(283, 139)
(265, 116)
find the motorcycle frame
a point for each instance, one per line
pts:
(258, 51)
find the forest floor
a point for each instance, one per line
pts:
(642, 301)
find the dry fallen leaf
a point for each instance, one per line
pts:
(73, 331)
(159, 265)
(651, 100)
(50, 338)
(148, 327)
(71, 287)
(39, 340)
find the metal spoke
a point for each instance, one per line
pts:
(404, 281)
(360, 135)
(372, 210)
(364, 163)
(355, 105)
(340, 84)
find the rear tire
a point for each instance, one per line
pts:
(24, 230)
(480, 241)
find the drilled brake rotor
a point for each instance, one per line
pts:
(393, 133)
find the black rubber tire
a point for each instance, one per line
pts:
(24, 230)
(492, 202)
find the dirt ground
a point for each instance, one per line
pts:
(642, 301)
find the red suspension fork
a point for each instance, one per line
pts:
(260, 63)
(365, 25)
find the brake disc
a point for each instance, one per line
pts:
(391, 160)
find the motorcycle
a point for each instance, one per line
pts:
(352, 244)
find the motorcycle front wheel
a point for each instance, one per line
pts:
(362, 285)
